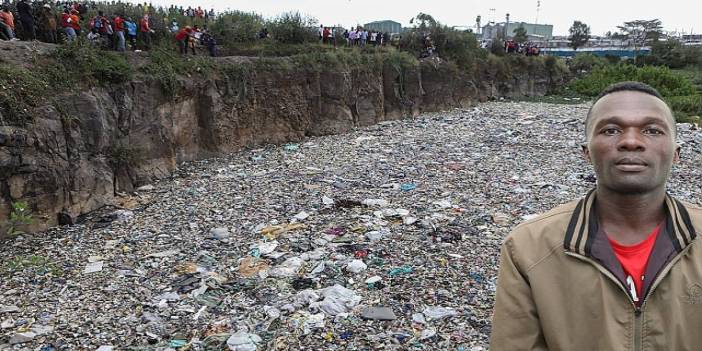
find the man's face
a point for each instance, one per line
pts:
(631, 142)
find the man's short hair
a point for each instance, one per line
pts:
(628, 86)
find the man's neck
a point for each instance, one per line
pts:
(629, 218)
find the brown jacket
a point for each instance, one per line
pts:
(560, 286)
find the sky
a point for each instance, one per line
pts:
(600, 15)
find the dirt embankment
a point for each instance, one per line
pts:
(121, 137)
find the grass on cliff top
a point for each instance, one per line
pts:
(20, 91)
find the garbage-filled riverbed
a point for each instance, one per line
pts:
(386, 238)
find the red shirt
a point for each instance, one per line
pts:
(182, 34)
(119, 24)
(144, 25)
(634, 259)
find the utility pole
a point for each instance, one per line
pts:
(506, 24)
(538, 8)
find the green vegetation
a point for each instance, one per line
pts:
(125, 156)
(81, 62)
(165, 65)
(19, 216)
(667, 82)
(681, 89)
(293, 28)
(579, 35)
(21, 90)
(38, 265)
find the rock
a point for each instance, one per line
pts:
(21, 338)
(378, 313)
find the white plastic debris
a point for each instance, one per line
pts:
(243, 341)
(374, 279)
(375, 202)
(327, 201)
(287, 269)
(93, 267)
(337, 300)
(356, 266)
(314, 321)
(438, 312)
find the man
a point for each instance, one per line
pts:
(47, 21)
(131, 32)
(621, 269)
(8, 23)
(119, 32)
(145, 29)
(27, 19)
(182, 38)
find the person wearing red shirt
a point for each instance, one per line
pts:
(182, 38)
(620, 268)
(8, 22)
(145, 30)
(118, 21)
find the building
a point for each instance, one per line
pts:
(386, 26)
(534, 31)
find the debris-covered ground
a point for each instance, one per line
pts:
(382, 239)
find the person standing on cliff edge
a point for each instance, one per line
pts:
(621, 268)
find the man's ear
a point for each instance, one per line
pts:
(586, 151)
(676, 156)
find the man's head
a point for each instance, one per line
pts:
(631, 139)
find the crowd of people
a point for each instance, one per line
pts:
(65, 21)
(356, 36)
(528, 48)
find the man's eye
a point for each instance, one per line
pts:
(610, 131)
(653, 131)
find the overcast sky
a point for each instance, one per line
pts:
(600, 15)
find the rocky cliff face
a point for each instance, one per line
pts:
(113, 139)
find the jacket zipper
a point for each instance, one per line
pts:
(638, 311)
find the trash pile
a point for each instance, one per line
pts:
(384, 238)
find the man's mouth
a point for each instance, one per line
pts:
(630, 164)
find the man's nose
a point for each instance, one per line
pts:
(631, 141)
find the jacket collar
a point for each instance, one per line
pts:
(583, 226)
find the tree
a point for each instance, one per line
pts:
(520, 35)
(579, 35)
(639, 32)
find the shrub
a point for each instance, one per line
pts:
(20, 90)
(79, 61)
(684, 106)
(665, 81)
(674, 54)
(235, 27)
(586, 62)
(293, 28)
(165, 65)
(460, 47)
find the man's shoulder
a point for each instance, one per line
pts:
(695, 213)
(539, 237)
